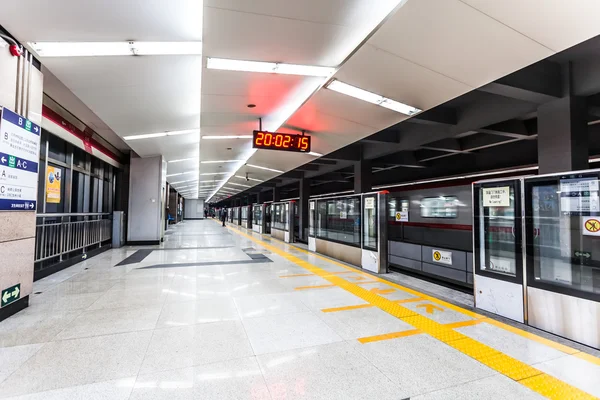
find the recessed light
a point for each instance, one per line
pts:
(364, 95)
(216, 137)
(269, 67)
(161, 134)
(129, 48)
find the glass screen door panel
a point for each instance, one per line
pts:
(498, 231)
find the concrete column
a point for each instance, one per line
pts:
(362, 176)
(562, 135)
(17, 228)
(276, 194)
(147, 196)
(303, 208)
(260, 197)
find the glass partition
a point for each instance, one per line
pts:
(280, 214)
(370, 222)
(244, 213)
(257, 219)
(563, 234)
(498, 230)
(339, 220)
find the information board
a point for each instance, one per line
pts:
(53, 184)
(496, 197)
(369, 203)
(579, 196)
(19, 156)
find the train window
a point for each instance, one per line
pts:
(439, 207)
(339, 220)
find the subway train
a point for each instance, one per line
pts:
(440, 221)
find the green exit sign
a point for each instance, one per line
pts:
(10, 294)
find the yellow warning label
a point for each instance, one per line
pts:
(592, 225)
(437, 256)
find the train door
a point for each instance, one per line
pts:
(498, 248)
(267, 218)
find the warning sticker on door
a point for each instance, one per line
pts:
(590, 226)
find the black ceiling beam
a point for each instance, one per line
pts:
(516, 129)
(538, 83)
(447, 145)
(294, 174)
(405, 159)
(439, 115)
(585, 76)
(307, 167)
(348, 153)
(484, 141)
(389, 135)
(322, 161)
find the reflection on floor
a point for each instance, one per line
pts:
(217, 313)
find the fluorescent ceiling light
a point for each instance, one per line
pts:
(248, 178)
(184, 159)
(215, 173)
(181, 173)
(357, 93)
(313, 153)
(269, 67)
(238, 184)
(96, 49)
(215, 137)
(218, 161)
(161, 134)
(265, 168)
(191, 180)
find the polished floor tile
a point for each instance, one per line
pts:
(230, 380)
(275, 333)
(29, 327)
(331, 371)
(270, 304)
(124, 298)
(354, 324)
(192, 345)
(119, 389)
(421, 364)
(11, 358)
(574, 371)
(198, 312)
(75, 362)
(111, 321)
(317, 299)
(435, 312)
(523, 349)
(497, 387)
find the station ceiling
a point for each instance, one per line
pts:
(445, 57)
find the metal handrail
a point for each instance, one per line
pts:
(59, 236)
(49, 215)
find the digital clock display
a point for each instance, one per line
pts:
(281, 141)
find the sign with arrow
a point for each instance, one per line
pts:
(430, 308)
(382, 291)
(10, 295)
(19, 157)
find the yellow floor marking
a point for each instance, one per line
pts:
(358, 278)
(430, 308)
(313, 287)
(346, 308)
(587, 357)
(414, 299)
(388, 336)
(364, 283)
(295, 275)
(461, 324)
(345, 272)
(527, 375)
(382, 291)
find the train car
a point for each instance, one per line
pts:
(430, 231)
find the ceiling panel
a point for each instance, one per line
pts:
(456, 40)
(556, 24)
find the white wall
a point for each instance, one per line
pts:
(145, 199)
(193, 209)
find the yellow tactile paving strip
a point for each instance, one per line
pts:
(519, 371)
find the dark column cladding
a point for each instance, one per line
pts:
(303, 208)
(362, 176)
(562, 135)
(276, 194)
(260, 197)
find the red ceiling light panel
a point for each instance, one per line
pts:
(281, 141)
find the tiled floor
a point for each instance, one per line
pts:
(231, 328)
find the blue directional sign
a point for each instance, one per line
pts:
(19, 156)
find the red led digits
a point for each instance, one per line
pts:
(281, 141)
